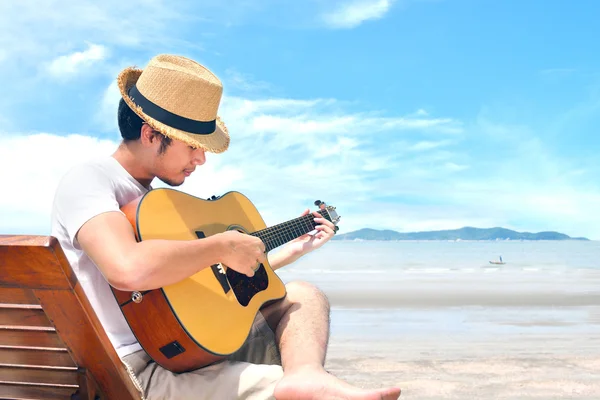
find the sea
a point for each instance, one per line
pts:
(438, 298)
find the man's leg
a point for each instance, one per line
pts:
(301, 325)
(223, 380)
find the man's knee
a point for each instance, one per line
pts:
(300, 291)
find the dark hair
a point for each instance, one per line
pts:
(130, 125)
(165, 142)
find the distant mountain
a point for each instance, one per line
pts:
(466, 233)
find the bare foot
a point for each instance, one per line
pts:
(314, 384)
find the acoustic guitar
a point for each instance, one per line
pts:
(208, 316)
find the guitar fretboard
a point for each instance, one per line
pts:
(280, 234)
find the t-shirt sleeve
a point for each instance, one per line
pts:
(82, 194)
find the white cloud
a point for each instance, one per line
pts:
(450, 166)
(290, 122)
(429, 145)
(347, 162)
(282, 163)
(531, 204)
(558, 71)
(354, 13)
(341, 145)
(244, 82)
(106, 116)
(66, 66)
(30, 167)
(34, 32)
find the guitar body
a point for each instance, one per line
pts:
(207, 316)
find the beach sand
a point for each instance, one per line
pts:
(527, 369)
(544, 348)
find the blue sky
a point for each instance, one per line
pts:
(406, 115)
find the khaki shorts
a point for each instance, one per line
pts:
(251, 373)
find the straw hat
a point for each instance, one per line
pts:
(179, 98)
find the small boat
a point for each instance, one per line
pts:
(500, 262)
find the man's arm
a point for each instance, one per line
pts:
(283, 257)
(108, 239)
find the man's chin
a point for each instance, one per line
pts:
(171, 182)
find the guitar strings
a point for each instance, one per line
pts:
(281, 232)
(277, 230)
(285, 232)
(292, 229)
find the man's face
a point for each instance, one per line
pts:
(177, 162)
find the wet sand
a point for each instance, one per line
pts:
(526, 358)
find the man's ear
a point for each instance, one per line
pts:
(148, 136)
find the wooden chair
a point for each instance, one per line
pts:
(52, 345)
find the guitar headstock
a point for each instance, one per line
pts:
(328, 212)
(333, 215)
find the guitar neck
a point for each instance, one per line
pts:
(285, 232)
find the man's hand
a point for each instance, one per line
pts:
(305, 243)
(242, 253)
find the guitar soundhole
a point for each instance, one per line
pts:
(244, 287)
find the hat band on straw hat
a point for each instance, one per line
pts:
(170, 119)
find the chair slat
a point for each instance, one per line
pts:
(30, 338)
(35, 358)
(39, 376)
(25, 392)
(17, 296)
(10, 316)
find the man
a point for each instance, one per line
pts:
(168, 120)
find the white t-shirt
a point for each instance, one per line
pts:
(85, 191)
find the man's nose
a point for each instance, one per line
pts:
(199, 157)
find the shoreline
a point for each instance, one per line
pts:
(449, 299)
(336, 240)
